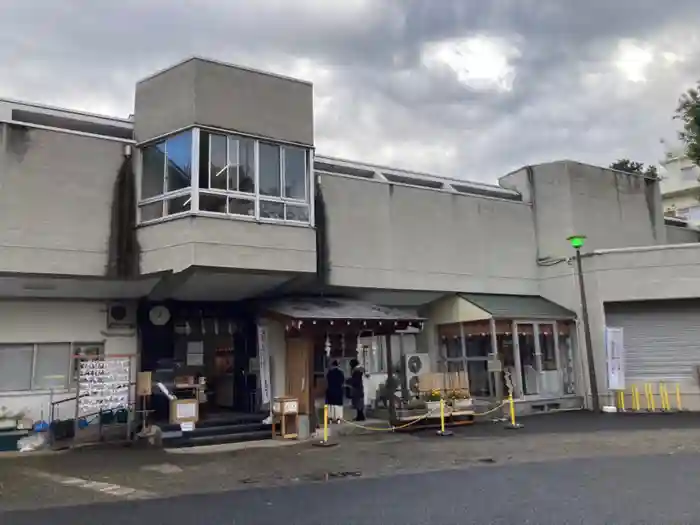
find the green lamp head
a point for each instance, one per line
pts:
(577, 241)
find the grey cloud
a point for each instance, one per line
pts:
(376, 100)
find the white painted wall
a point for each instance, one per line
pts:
(54, 322)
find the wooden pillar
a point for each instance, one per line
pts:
(299, 374)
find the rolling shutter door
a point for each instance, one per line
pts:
(662, 339)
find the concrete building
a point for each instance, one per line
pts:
(207, 227)
(680, 186)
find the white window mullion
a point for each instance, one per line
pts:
(311, 196)
(256, 175)
(194, 195)
(238, 164)
(209, 161)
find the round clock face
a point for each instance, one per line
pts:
(159, 315)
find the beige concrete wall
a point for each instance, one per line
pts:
(221, 243)
(32, 322)
(56, 193)
(397, 237)
(209, 93)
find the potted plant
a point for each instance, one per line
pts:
(460, 399)
(432, 400)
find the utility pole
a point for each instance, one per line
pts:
(577, 242)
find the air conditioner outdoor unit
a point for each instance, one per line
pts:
(120, 315)
(415, 365)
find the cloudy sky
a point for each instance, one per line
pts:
(465, 88)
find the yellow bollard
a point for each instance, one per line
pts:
(664, 397)
(621, 395)
(324, 442)
(511, 406)
(442, 431)
(649, 397)
(635, 399)
(679, 406)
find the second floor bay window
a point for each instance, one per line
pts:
(234, 176)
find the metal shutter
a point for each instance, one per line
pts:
(662, 338)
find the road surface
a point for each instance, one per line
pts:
(661, 489)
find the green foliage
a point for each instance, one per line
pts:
(631, 166)
(688, 112)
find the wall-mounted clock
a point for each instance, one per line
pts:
(159, 315)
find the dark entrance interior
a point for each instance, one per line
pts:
(187, 341)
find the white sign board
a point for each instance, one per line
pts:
(615, 354)
(264, 365)
(103, 384)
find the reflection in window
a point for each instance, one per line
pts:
(212, 203)
(178, 151)
(271, 210)
(153, 171)
(270, 170)
(218, 162)
(178, 205)
(245, 207)
(294, 173)
(297, 213)
(246, 165)
(547, 347)
(150, 212)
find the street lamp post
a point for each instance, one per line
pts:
(577, 242)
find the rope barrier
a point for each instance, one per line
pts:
(418, 419)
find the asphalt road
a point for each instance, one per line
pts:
(651, 490)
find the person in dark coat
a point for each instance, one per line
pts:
(335, 383)
(357, 389)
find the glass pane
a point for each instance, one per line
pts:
(84, 351)
(547, 348)
(478, 345)
(204, 159)
(504, 344)
(214, 203)
(178, 205)
(218, 162)
(269, 170)
(179, 152)
(52, 361)
(528, 360)
(246, 165)
(566, 359)
(16, 367)
(295, 173)
(153, 170)
(233, 163)
(455, 366)
(151, 211)
(297, 213)
(452, 347)
(479, 380)
(241, 207)
(271, 210)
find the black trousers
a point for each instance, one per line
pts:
(358, 403)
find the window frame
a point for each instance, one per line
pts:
(166, 196)
(195, 191)
(71, 380)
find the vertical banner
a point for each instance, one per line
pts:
(615, 353)
(264, 364)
